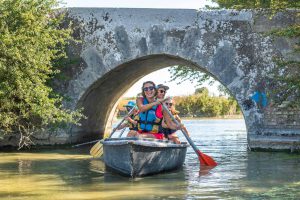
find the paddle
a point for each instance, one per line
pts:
(122, 132)
(203, 158)
(81, 144)
(97, 149)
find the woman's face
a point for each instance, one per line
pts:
(149, 90)
(169, 104)
(161, 92)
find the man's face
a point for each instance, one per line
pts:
(161, 92)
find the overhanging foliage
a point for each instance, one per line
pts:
(30, 42)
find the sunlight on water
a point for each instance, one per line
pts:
(72, 174)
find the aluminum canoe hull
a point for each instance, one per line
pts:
(135, 157)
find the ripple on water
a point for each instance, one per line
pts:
(72, 174)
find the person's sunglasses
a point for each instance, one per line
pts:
(148, 88)
(162, 91)
(169, 104)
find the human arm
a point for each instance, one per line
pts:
(130, 120)
(121, 126)
(185, 130)
(143, 108)
(169, 122)
(182, 125)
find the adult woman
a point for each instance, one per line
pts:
(168, 131)
(151, 113)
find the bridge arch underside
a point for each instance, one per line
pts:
(100, 100)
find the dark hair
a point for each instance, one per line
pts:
(151, 82)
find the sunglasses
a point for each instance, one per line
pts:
(162, 91)
(148, 88)
(169, 104)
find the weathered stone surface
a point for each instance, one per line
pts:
(119, 46)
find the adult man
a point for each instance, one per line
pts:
(161, 91)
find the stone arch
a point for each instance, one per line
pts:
(100, 99)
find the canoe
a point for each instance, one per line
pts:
(140, 157)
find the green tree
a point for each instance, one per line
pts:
(31, 41)
(181, 73)
(202, 90)
(275, 5)
(201, 104)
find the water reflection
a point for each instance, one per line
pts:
(272, 175)
(72, 174)
(205, 170)
(24, 166)
(97, 166)
(78, 175)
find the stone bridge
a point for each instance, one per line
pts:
(120, 46)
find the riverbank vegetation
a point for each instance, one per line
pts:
(201, 104)
(31, 44)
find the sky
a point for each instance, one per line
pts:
(163, 76)
(160, 76)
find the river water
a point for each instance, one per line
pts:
(72, 174)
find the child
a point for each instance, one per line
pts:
(130, 120)
(168, 132)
